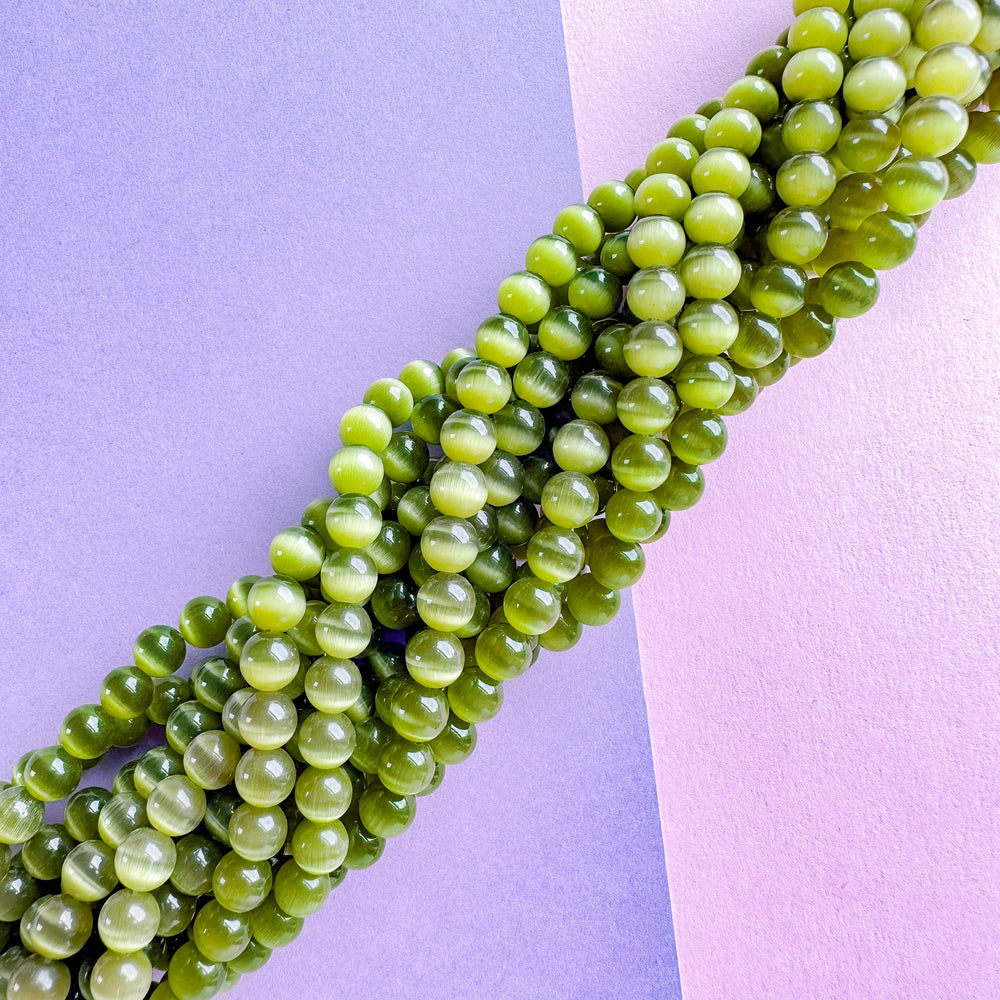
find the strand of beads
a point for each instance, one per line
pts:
(510, 513)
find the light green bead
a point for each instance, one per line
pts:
(159, 650)
(258, 833)
(721, 169)
(682, 489)
(944, 21)
(555, 554)
(882, 32)
(541, 379)
(204, 621)
(365, 425)
(300, 893)
(474, 696)
(569, 499)
(595, 292)
(434, 659)
(56, 926)
(449, 544)
(319, 848)
(653, 347)
(484, 386)
(933, 126)
(176, 805)
(128, 921)
(554, 260)
(582, 226)
(631, 517)
(734, 128)
(392, 397)
(88, 871)
(698, 436)
(754, 94)
(333, 684)
(710, 271)
(820, 27)
(612, 200)
(713, 218)
(343, 630)
(348, 576)
(405, 767)
(672, 156)
(220, 934)
(519, 428)
(640, 463)
(812, 74)
(503, 339)
(458, 489)
(646, 405)
(805, 180)
(323, 795)
(417, 712)
(690, 128)
(37, 978)
(326, 740)
(446, 601)
(269, 661)
(531, 606)
(704, 381)
(525, 297)
(127, 692)
(192, 976)
(662, 194)
(915, 185)
(581, 446)
(811, 127)
(708, 327)
(356, 469)
(656, 241)
(565, 333)
(145, 859)
(21, 815)
(796, 235)
(422, 378)
(470, 436)
(874, 86)
(386, 813)
(265, 777)
(123, 813)
(983, 137)
(950, 70)
(272, 927)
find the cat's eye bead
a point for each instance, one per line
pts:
(88, 732)
(127, 692)
(159, 650)
(944, 21)
(239, 884)
(555, 554)
(37, 978)
(204, 621)
(885, 240)
(733, 128)
(812, 74)
(176, 805)
(796, 235)
(470, 436)
(18, 890)
(267, 720)
(323, 795)
(524, 296)
(434, 658)
(88, 871)
(193, 976)
(449, 544)
(319, 848)
(220, 934)
(324, 740)
(698, 436)
(458, 489)
(265, 777)
(128, 920)
(365, 425)
(754, 94)
(145, 859)
(707, 327)
(640, 463)
(809, 332)
(633, 517)
(300, 893)
(982, 140)
(569, 500)
(868, 143)
(52, 773)
(272, 927)
(197, 857)
(405, 767)
(704, 381)
(257, 833)
(590, 602)
(121, 814)
(474, 696)
(710, 218)
(646, 406)
(385, 813)
(187, 721)
(811, 127)
(154, 766)
(269, 661)
(83, 810)
(710, 271)
(56, 926)
(417, 713)
(276, 603)
(21, 815)
(758, 342)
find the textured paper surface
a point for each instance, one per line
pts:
(221, 222)
(820, 635)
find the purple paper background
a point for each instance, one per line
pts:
(221, 222)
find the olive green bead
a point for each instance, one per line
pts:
(325, 740)
(758, 342)
(868, 144)
(269, 661)
(434, 658)
(415, 510)
(712, 218)
(646, 406)
(856, 197)
(707, 326)
(332, 684)
(734, 128)
(87, 733)
(704, 381)
(519, 428)
(616, 564)
(503, 652)
(204, 621)
(154, 766)
(721, 169)
(431, 412)
(633, 517)
(541, 379)
(982, 140)
(123, 813)
(874, 85)
(392, 397)
(662, 194)
(83, 810)
(582, 226)
(961, 169)
(267, 720)
(710, 271)
(220, 934)
(590, 602)
(563, 635)
(744, 394)
(236, 597)
(21, 815)
(811, 127)
(168, 694)
(769, 63)
(886, 240)
(230, 714)
(449, 544)
(531, 605)
(128, 920)
(948, 70)
(812, 74)
(484, 386)
(754, 94)
(18, 890)
(446, 601)
(159, 650)
(881, 32)
(192, 976)
(356, 469)
(458, 489)
(580, 446)
(240, 884)
(805, 180)
(808, 333)
(44, 853)
(698, 436)
(385, 813)
(613, 201)
(778, 289)
(319, 848)
(455, 742)
(503, 475)
(569, 499)
(503, 339)
(187, 721)
(52, 773)
(9, 961)
(653, 349)
(944, 21)
(848, 289)
(300, 893)
(615, 258)
(145, 859)
(56, 926)
(595, 292)
(370, 735)
(470, 436)
(265, 777)
(405, 767)
(127, 692)
(759, 195)
(524, 296)
(197, 857)
(365, 425)
(237, 637)
(214, 680)
(690, 128)
(38, 978)
(475, 696)
(343, 630)
(404, 461)
(555, 554)
(176, 805)
(565, 333)
(389, 551)
(555, 261)
(177, 911)
(257, 833)
(252, 958)
(417, 712)
(640, 463)
(272, 927)
(656, 241)
(276, 603)
(323, 795)
(796, 235)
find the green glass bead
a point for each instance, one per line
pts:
(370, 735)
(531, 605)
(759, 195)
(812, 74)
(712, 218)
(615, 258)
(470, 436)
(856, 197)
(704, 381)
(455, 742)
(808, 333)
(778, 289)
(82, 812)
(811, 127)
(56, 926)
(433, 658)
(555, 261)
(662, 194)
(982, 140)
(187, 721)
(204, 621)
(633, 517)
(503, 339)
(652, 349)
(323, 795)
(220, 934)
(126, 692)
(646, 406)
(367, 426)
(581, 446)
(236, 597)
(326, 740)
(555, 554)
(386, 813)
(563, 635)
(723, 170)
(474, 696)
(594, 292)
(949, 70)
(484, 386)
(177, 911)
(44, 853)
(733, 128)
(197, 857)
(590, 602)
(616, 564)
(446, 601)
(154, 766)
(595, 397)
(673, 155)
(392, 397)
(503, 475)
(582, 226)
(691, 128)
(300, 893)
(297, 553)
(176, 805)
(221, 806)
(18, 890)
(881, 32)
(88, 871)
(710, 271)
(415, 510)
(214, 680)
(565, 333)
(230, 714)
(159, 650)
(236, 638)
(431, 412)
(356, 469)
(656, 241)
(145, 859)
(252, 958)
(265, 777)
(389, 551)
(123, 813)
(796, 235)
(758, 342)
(961, 169)
(257, 833)
(449, 544)
(128, 920)
(874, 86)
(541, 379)
(269, 661)
(343, 630)
(868, 144)
(52, 774)
(754, 94)
(770, 63)
(944, 21)
(915, 185)
(319, 848)
(640, 463)
(569, 500)
(708, 326)
(458, 489)
(87, 733)
(276, 603)
(272, 927)
(698, 437)
(405, 767)
(418, 713)
(805, 180)
(192, 976)
(267, 720)
(885, 240)
(239, 884)
(37, 978)
(404, 460)
(524, 296)
(332, 685)
(422, 378)
(612, 201)
(21, 815)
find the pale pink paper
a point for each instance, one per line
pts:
(820, 634)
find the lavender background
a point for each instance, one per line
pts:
(221, 222)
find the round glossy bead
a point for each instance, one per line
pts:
(323, 795)
(484, 386)
(458, 489)
(214, 680)
(236, 597)
(982, 139)
(431, 412)
(555, 261)
(343, 630)
(633, 517)
(948, 70)
(856, 197)
(128, 920)
(721, 169)
(145, 859)
(933, 126)
(325, 740)
(710, 271)
(867, 144)
(880, 32)
(754, 94)
(707, 327)
(365, 425)
(176, 805)
(257, 833)
(187, 721)
(449, 544)
(404, 461)
(569, 499)
(269, 661)
(405, 767)
(945, 21)
(267, 720)
(502, 652)
(433, 658)
(167, 690)
(333, 684)
(265, 777)
(240, 884)
(915, 185)
(874, 86)
(812, 74)
(356, 469)
(123, 813)
(18, 890)
(758, 342)
(704, 381)
(82, 812)
(220, 934)
(656, 241)
(192, 976)
(503, 339)
(796, 235)
(127, 692)
(580, 446)
(662, 194)
(541, 379)
(418, 712)
(392, 397)
(88, 732)
(808, 333)
(319, 848)
(778, 289)
(646, 406)
(734, 128)
(682, 489)
(531, 605)
(524, 296)
(276, 603)
(595, 396)
(616, 564)
(811, 127)
(886, 240)
(712, 218)
(565, 333)
(555, 554)
(698, 437)
(197, 857)
(613, 202)
(21, 815)
(961, 169)
(348, 576)
(690, 128)
(469, 436)
(51, 774)
(475, 696)
(652, 349)
(42, 855)
(56, 926)
(590, 602)
(446, 601)
(595, 292)
(640, 463)
(582, 226)
(204, 621)
(300, 893)
(159, 650)
(805, 180)
(655, 293)
(519, 428)
(37, 978)
(385, 813)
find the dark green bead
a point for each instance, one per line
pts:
(364, 848)
(809, 332)
(197, 857)
(385, 813)
(961, 167)
(44, 853)
(778, 289)
(758, 342)
(759, 195)
(126, 692)
(220, 934)
(516, 522)
(188, 721)
(53, 773)
(405, 458)
(744, 392)
(595, 397)
(159, 650)
(867, 144)
(590, 602)
(613, 202)
(615, 258)
(177, 910)
(771, 373)
(566, 333)
(204, 621)
(616, 564)
(300, 893)
(692, 129)
(848, 289)
(455, 742)
(493, 569)
(541, 379)
(474, 696)
(770, 64)
(122, 813)
(252, 958)
(214, 680)
(595, 292)
(222, 804)
(418, 713)
(191, 976)
(698, 436)
(272, 927)
(88, 871)
(82, 812)
(129, 732)
(88, 732)
(18, 890)
(154, 766)
(168, 693)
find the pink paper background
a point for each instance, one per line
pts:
(820, 635)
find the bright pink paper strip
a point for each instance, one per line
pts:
(820, 635)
